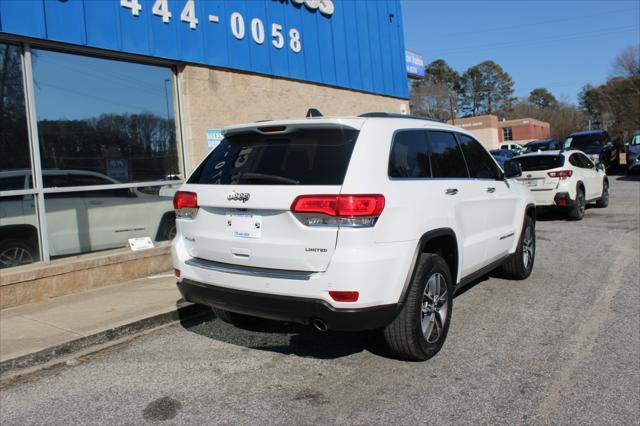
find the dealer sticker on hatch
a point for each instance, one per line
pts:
(245, 225)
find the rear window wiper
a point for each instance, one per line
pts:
(267, 178)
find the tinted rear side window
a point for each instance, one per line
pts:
(302, 157)
(409, 156)
(540, 162)
(574, 160)
(446, 157)
(585, 141)
(480, 163)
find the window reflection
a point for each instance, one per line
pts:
(111, 117)
(88, 221)
(18, 231)
(14, 142)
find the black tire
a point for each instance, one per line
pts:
(405, 335)
(235, 318)
(16, 252)
(603, 201)
(167, 230)
(577, 212)
(519, 265)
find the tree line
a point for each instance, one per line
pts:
(486, 88)
(146, 140)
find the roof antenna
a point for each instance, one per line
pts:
(312, 112)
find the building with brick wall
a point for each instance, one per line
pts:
(522, 130)
(492, 132)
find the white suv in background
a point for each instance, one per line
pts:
(517, 148)
(78, 222)
(354, 223)
(567, 179)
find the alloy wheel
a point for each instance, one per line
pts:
(528, 247)
(435, 307)
(15, 256)
(581, 203)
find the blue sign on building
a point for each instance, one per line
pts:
(415, 64)
(347, 43)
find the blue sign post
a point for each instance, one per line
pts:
(415, 64)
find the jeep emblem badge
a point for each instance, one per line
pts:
(238, 196)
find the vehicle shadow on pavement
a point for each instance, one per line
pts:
(548, 214)
(294, 339)
(287, 338)
(630, 177)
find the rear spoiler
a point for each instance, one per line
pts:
(285, 127)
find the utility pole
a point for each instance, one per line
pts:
(452, 106)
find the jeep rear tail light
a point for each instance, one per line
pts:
(185, 204)
(561, 174)
(356, 211)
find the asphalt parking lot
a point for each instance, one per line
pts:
(562, 347)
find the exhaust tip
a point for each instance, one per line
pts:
(319, 325)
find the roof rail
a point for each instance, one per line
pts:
(392, 115)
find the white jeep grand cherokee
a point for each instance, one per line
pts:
(354, 223)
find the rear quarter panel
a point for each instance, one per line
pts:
(412, 206)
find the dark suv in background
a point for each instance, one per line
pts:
(633, 153)
(596, 144)
(542, 145)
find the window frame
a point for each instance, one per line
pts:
(38, 191)
(504, 134)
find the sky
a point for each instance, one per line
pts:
(559, 45)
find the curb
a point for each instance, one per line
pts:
(183, 311)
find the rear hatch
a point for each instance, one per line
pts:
(246, 186)
(536, 168)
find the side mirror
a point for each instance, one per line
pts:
(600, 167)
(512, 169)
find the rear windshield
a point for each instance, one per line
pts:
(538, 146)
(540, 162)
(583, 141)
(302, 157)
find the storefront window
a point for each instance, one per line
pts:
(14, 139)
(18, 219)
(104, 122)
(110, 117)
(104, 127)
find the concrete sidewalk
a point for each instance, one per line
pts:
(38, 333)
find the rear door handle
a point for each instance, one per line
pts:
(491, 190)
(451, 191)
